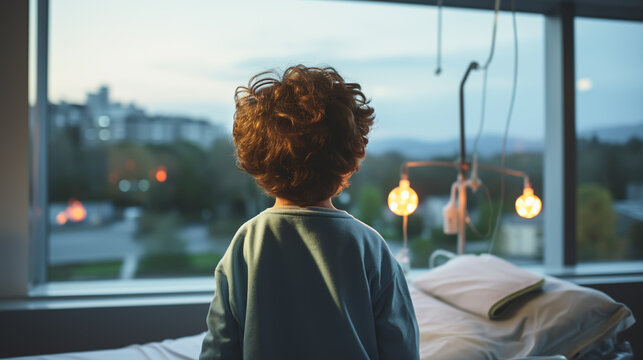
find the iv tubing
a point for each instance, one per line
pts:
(504, 140)
(438, 66)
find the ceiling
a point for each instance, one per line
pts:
(611, 9)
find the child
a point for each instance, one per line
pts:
(303, 280)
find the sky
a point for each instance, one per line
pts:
(187, 57)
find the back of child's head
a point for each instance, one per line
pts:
(301, 135)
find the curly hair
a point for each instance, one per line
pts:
(302, 135)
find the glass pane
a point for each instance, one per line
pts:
(143, 182)
(609, 86)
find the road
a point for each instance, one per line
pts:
(116, 242)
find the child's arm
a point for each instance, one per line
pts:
(222, 339)
(396, 326)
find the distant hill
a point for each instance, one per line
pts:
(614, 134)
(492, 145)
(418, 149)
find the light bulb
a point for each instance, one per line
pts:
(528, 205)
(403, 200)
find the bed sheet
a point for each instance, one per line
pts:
(185, 348)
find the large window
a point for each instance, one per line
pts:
(142, 181)
(609, 122)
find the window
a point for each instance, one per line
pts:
(609, 140)
(142, 182)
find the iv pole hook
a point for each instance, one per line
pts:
(464, 166)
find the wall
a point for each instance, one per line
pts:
(31, 332)
(14, 134)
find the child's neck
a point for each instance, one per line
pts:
(323, 204)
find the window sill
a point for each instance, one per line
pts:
(114, 293)
(120, 287)
(183, 291)
(622, 271)
(585, 273)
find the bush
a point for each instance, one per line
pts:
(177, 265)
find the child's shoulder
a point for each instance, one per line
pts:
(310, 220)
(324, 231)
(314, 217)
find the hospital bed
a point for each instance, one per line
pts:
(555, 320)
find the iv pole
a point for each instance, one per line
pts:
(463, 168)
(455, 220)
(462, 165)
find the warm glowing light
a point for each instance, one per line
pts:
(130, 164)
(75, 211)
(403, 200)
(61, 218)
(161, 174)
(528, 205)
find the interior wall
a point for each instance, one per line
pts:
(14, 135)
(34, 332)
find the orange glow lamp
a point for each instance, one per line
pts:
(528, 205)
(403, 200)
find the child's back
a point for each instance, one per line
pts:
(311, 284)
(307, 281)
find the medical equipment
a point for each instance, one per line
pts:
(403, 200)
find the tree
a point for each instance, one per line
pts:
(595, 224)
(370, 204)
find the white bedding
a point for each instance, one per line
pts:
(563, 319)
(185, 348)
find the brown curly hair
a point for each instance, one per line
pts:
(303, 134)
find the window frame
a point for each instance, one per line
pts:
(39, 159)
(560, 142)
(559, 173)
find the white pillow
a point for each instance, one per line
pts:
(568, 318)
(483, 285)
(562, 318)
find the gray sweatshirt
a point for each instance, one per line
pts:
(309, 283)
